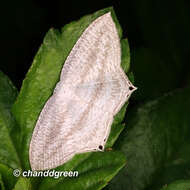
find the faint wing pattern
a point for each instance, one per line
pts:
(92, 89)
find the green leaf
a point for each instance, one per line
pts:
(178, 185)
(8, 92)
(95, 169)
(44, 73)
(155, 133)
(125, 55)
(176, 169)
(7, 176)
(2, 187)
(22, 183)
(117, 127)
(8, 130)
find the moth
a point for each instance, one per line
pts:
(92, 89)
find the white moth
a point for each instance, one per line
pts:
(92, 89)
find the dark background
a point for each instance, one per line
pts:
(152, 27)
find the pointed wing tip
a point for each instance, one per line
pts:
(107, 16)
(108, 13)
(134, 88)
